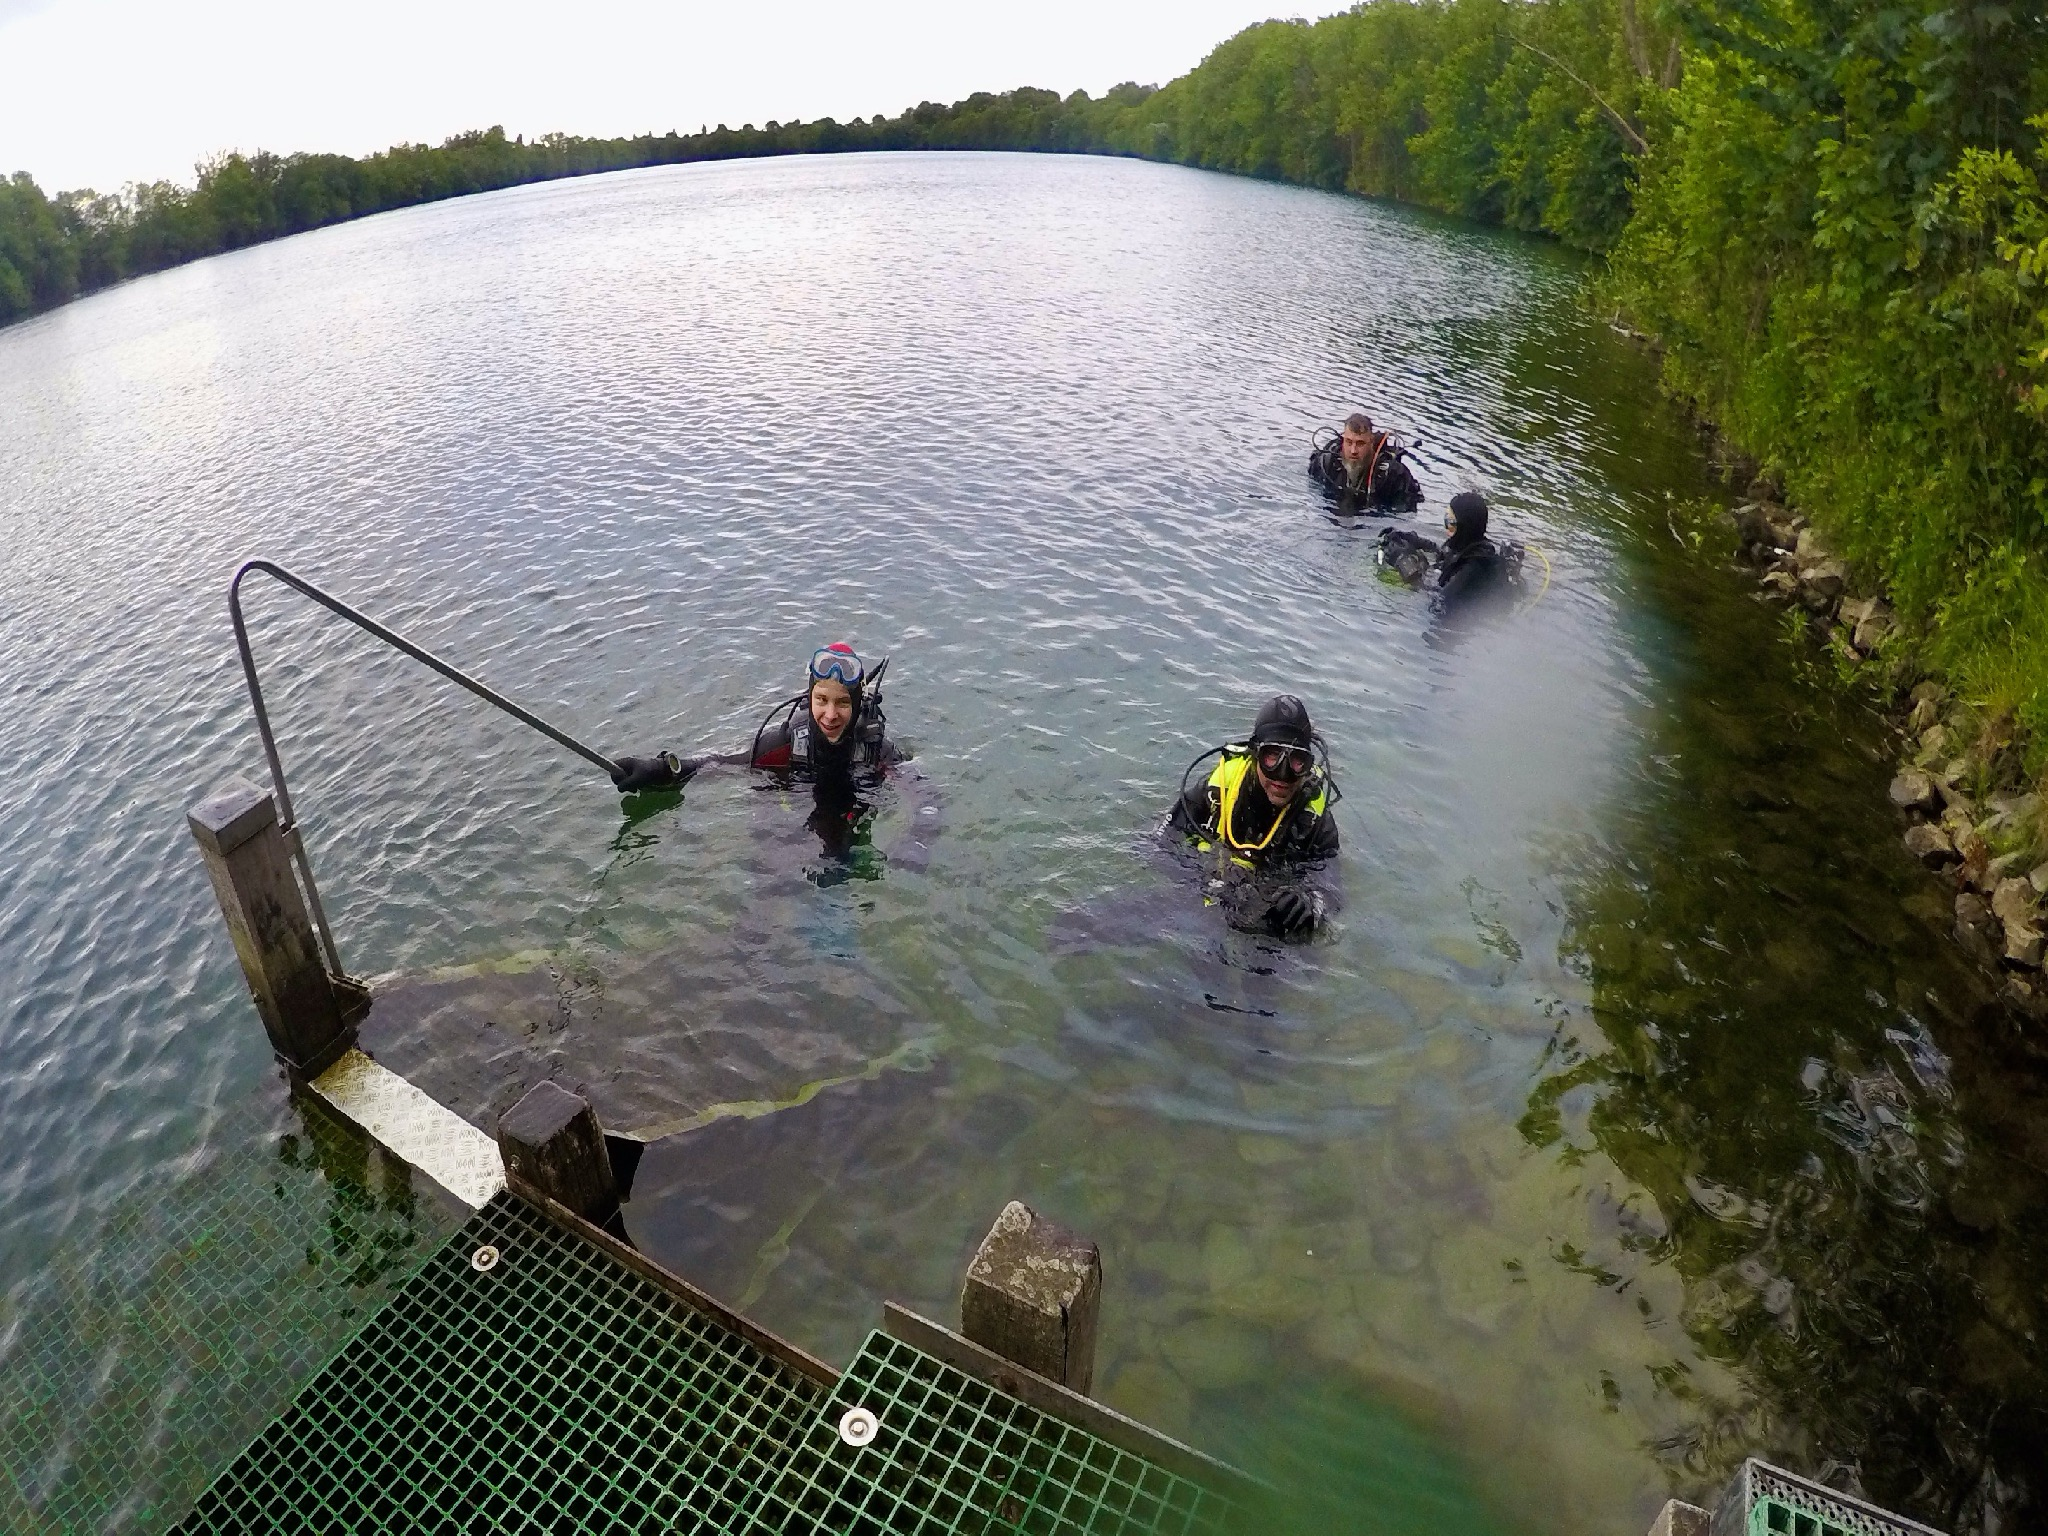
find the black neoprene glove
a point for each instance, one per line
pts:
(664, 770)
(1292, 911)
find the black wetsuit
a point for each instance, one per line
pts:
(1470, 575)
(794, 744)
(1383, 483)
(1273, 889)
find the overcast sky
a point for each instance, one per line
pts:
(103, 92)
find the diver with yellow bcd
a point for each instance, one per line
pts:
(1265, 811)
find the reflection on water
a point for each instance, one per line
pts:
(1830, 1125)
(1629, 1115)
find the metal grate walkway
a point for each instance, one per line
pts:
(953, 1455)
(526, 1380)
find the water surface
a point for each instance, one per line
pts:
(1632, 1117)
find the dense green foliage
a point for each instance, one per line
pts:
(1523, 114)
(1830, 213)
(1838, 239)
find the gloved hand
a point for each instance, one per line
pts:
(664, 770)
(1407, 553)
(1294, 910)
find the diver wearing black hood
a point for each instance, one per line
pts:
(1471, 569)
(1266, 807)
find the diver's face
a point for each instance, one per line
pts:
(831, 708)
(1278, 791)
(1356, 445)
(1281, 771)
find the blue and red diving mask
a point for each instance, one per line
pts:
(837, 663)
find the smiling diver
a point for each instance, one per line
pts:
(834, 727)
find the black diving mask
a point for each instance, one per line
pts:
(1287, 764)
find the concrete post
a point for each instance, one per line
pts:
(1033, 1295)
(1680, 1519)
(237, 831)
(552, 1145)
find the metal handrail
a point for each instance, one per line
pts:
(391, 637)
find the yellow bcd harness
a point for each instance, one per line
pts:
(1227, 780)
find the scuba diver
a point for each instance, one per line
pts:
(834, 727)
(1366, 470)
(1265, 808)
(834, 737)
(1473, 572)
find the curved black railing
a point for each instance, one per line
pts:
(391, 637)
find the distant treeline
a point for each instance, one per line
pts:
(1447, 105)
(1428, 102)
(57, 248)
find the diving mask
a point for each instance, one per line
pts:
(838, 664)
(1285, 763)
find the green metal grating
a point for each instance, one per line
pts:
(953, 1455)
(556, 1390)
(1764, 1500)
(149, 1349)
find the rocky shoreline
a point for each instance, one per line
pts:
(1970, 816)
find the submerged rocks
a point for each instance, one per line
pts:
(1930, 845)
(1913, 791)
(1990, 855)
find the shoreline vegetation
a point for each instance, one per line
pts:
(1830, 218)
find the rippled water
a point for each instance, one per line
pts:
(1631, 1117)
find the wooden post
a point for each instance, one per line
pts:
(1033, 1295)
(552, 1145)
(1680, 1519)
(238, 834)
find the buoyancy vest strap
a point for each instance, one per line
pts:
(1228, 781)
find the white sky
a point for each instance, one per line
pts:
(103, 92)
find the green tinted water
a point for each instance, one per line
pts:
(1633, 1116)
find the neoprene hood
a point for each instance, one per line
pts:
(1283, 720)
(1469, 508)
